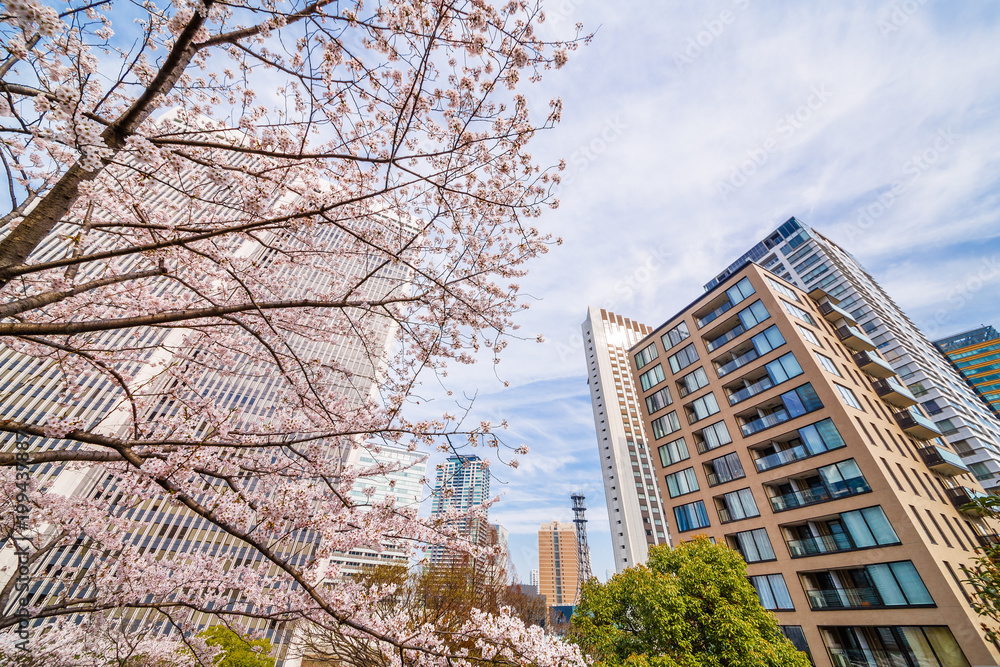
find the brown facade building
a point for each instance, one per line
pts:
(779, 430)
(558, 570)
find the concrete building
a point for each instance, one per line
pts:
(557, 566)
(809, 260)
(533, 579)
(461, 484)
(633, 499)
(976, 356)
(782, 432)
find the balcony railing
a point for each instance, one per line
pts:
(784, 457)
(814, 546)
(854, 339)
(893, 393)
(844, 598)
(725, 338)
(819, 494)
(725, 516)
(742, 360)
(873, 364)
(767, 421)
(832, 313)
(943, 461)
(961, 496)
(917, 425)
(702, 321)
(863, 657)
(714, 479)
(746, 392)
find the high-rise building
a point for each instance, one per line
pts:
(34, 391)
(809, 260)
(630, 489)
(782, 432)
(557, 563)
(976, 355)
(461, 484)
(533, 579)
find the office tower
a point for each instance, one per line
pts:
(781, 432)
(634, 510)
(462, 484)
(976, 355)
(809, 260)
(243, 385)
(558, 572)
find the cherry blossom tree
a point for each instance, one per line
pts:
(239, 234)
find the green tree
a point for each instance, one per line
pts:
(691, 606)
(236, 650)
(984, 576)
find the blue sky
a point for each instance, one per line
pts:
(691, 130)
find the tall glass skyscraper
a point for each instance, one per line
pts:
(976, 355)
(811, 261)
(461, 484)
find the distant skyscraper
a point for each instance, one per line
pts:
(976, 355)
(533, 579)
(811, 261)
(558, 573)
(462, 483)
(630, 488)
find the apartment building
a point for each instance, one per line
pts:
(975, 355)
(558, 572)
(461, 484)
(630, 488)
(780, 430)
(810, 260)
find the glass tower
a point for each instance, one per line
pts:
(976, 355)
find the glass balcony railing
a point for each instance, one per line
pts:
(702, 321)
(784, 457)
(893, 393)
(832, 313)
(943, 461)
(725, 338)
(742, 360)
(873, 364)
(854, 339)
(819, 494)
(814, 546)
(917, 425)
(767, 421)
(864, 657)
(844, 598)
(763, 384)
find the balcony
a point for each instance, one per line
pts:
(767, 421)
(873, 365)
(893, 393)
(844, 598)
(721, 310)
(832, 313)
(960, 496)
(854, 339)
(824, 544)
(917, 425)
(865, 657)
(943, 461)
(783, 457)
(763, 384)
(819, 494)
(988, 541)
(742, 360)
(716, 343)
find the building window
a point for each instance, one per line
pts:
(652, 377)
(682, 482)
(724, 469)
(926, 646)
(659, 400)
(772, 592)
(827, 363)
(675, 335)
(767, 340)
(683, 358)
(701, 408)
(782, 289)
(712, 436)
(797, 312)
(692, 382)
(848, 397)
(646, 355)
(878, 585)
(783, 368)
(673, 452)
(665, 425)
(754, 315)
(740, 291)
(754, 545)
(691, 516)
(808, 335)
(737, 505)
